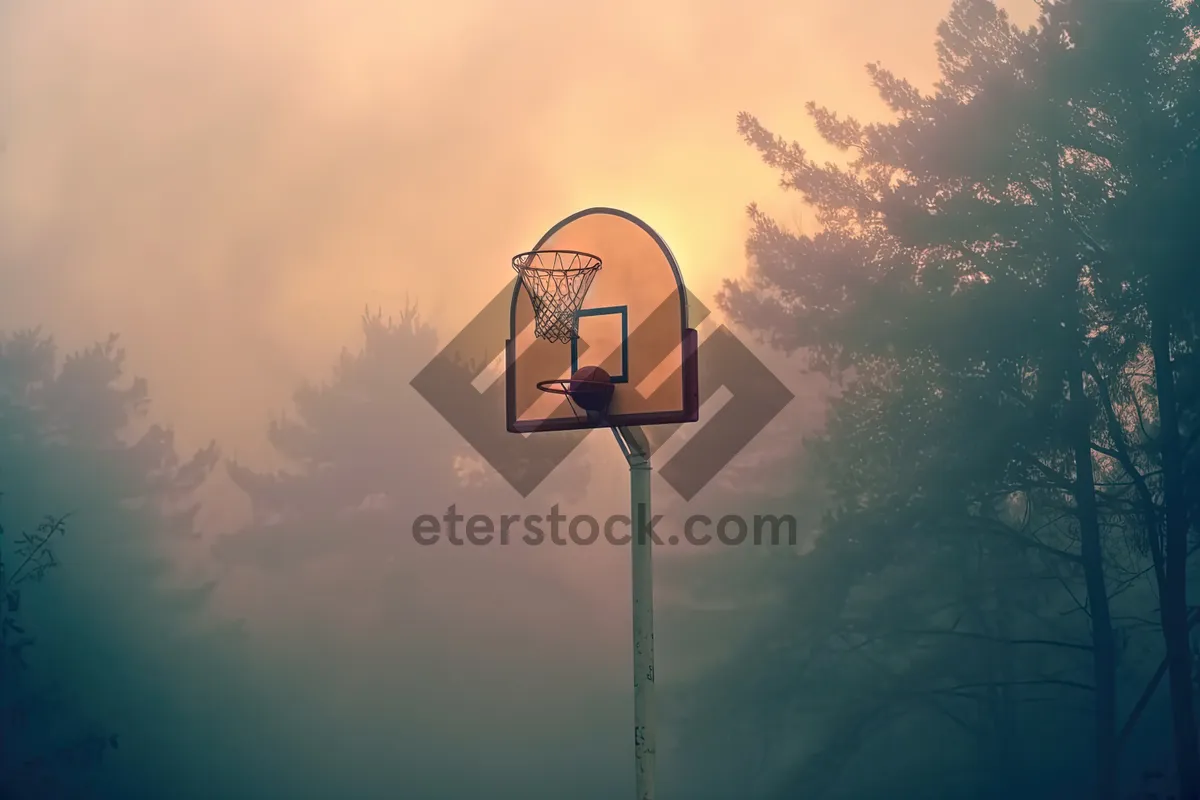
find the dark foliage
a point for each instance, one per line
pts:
(1004, 283)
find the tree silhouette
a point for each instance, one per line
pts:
(1011, 373)
(348, 441)
(381, 633)
(38, 760)
(120, 637)
(362, 442)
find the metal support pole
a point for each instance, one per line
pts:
(636, 452)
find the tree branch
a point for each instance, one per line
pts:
(1147, 694)
(1001, 530)
(1001, 640)
(48, 528)
(962, 689)
(1121, 454)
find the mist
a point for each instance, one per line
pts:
(280, 214)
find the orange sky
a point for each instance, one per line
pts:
(227, 184)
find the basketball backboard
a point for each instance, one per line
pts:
(633, 323)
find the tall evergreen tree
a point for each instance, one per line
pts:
(120, 636)
(426, 645)
(991, 340)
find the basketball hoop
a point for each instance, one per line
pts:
(557, 282)
(637, 317)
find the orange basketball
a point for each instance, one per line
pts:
(591, 388)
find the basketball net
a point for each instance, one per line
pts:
(557, 282)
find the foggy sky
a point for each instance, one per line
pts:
(228, 184)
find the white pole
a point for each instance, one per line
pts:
(643, 626)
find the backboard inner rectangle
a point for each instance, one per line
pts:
(605, 334)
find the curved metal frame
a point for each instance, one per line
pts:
(687, 336)
(625, 215)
